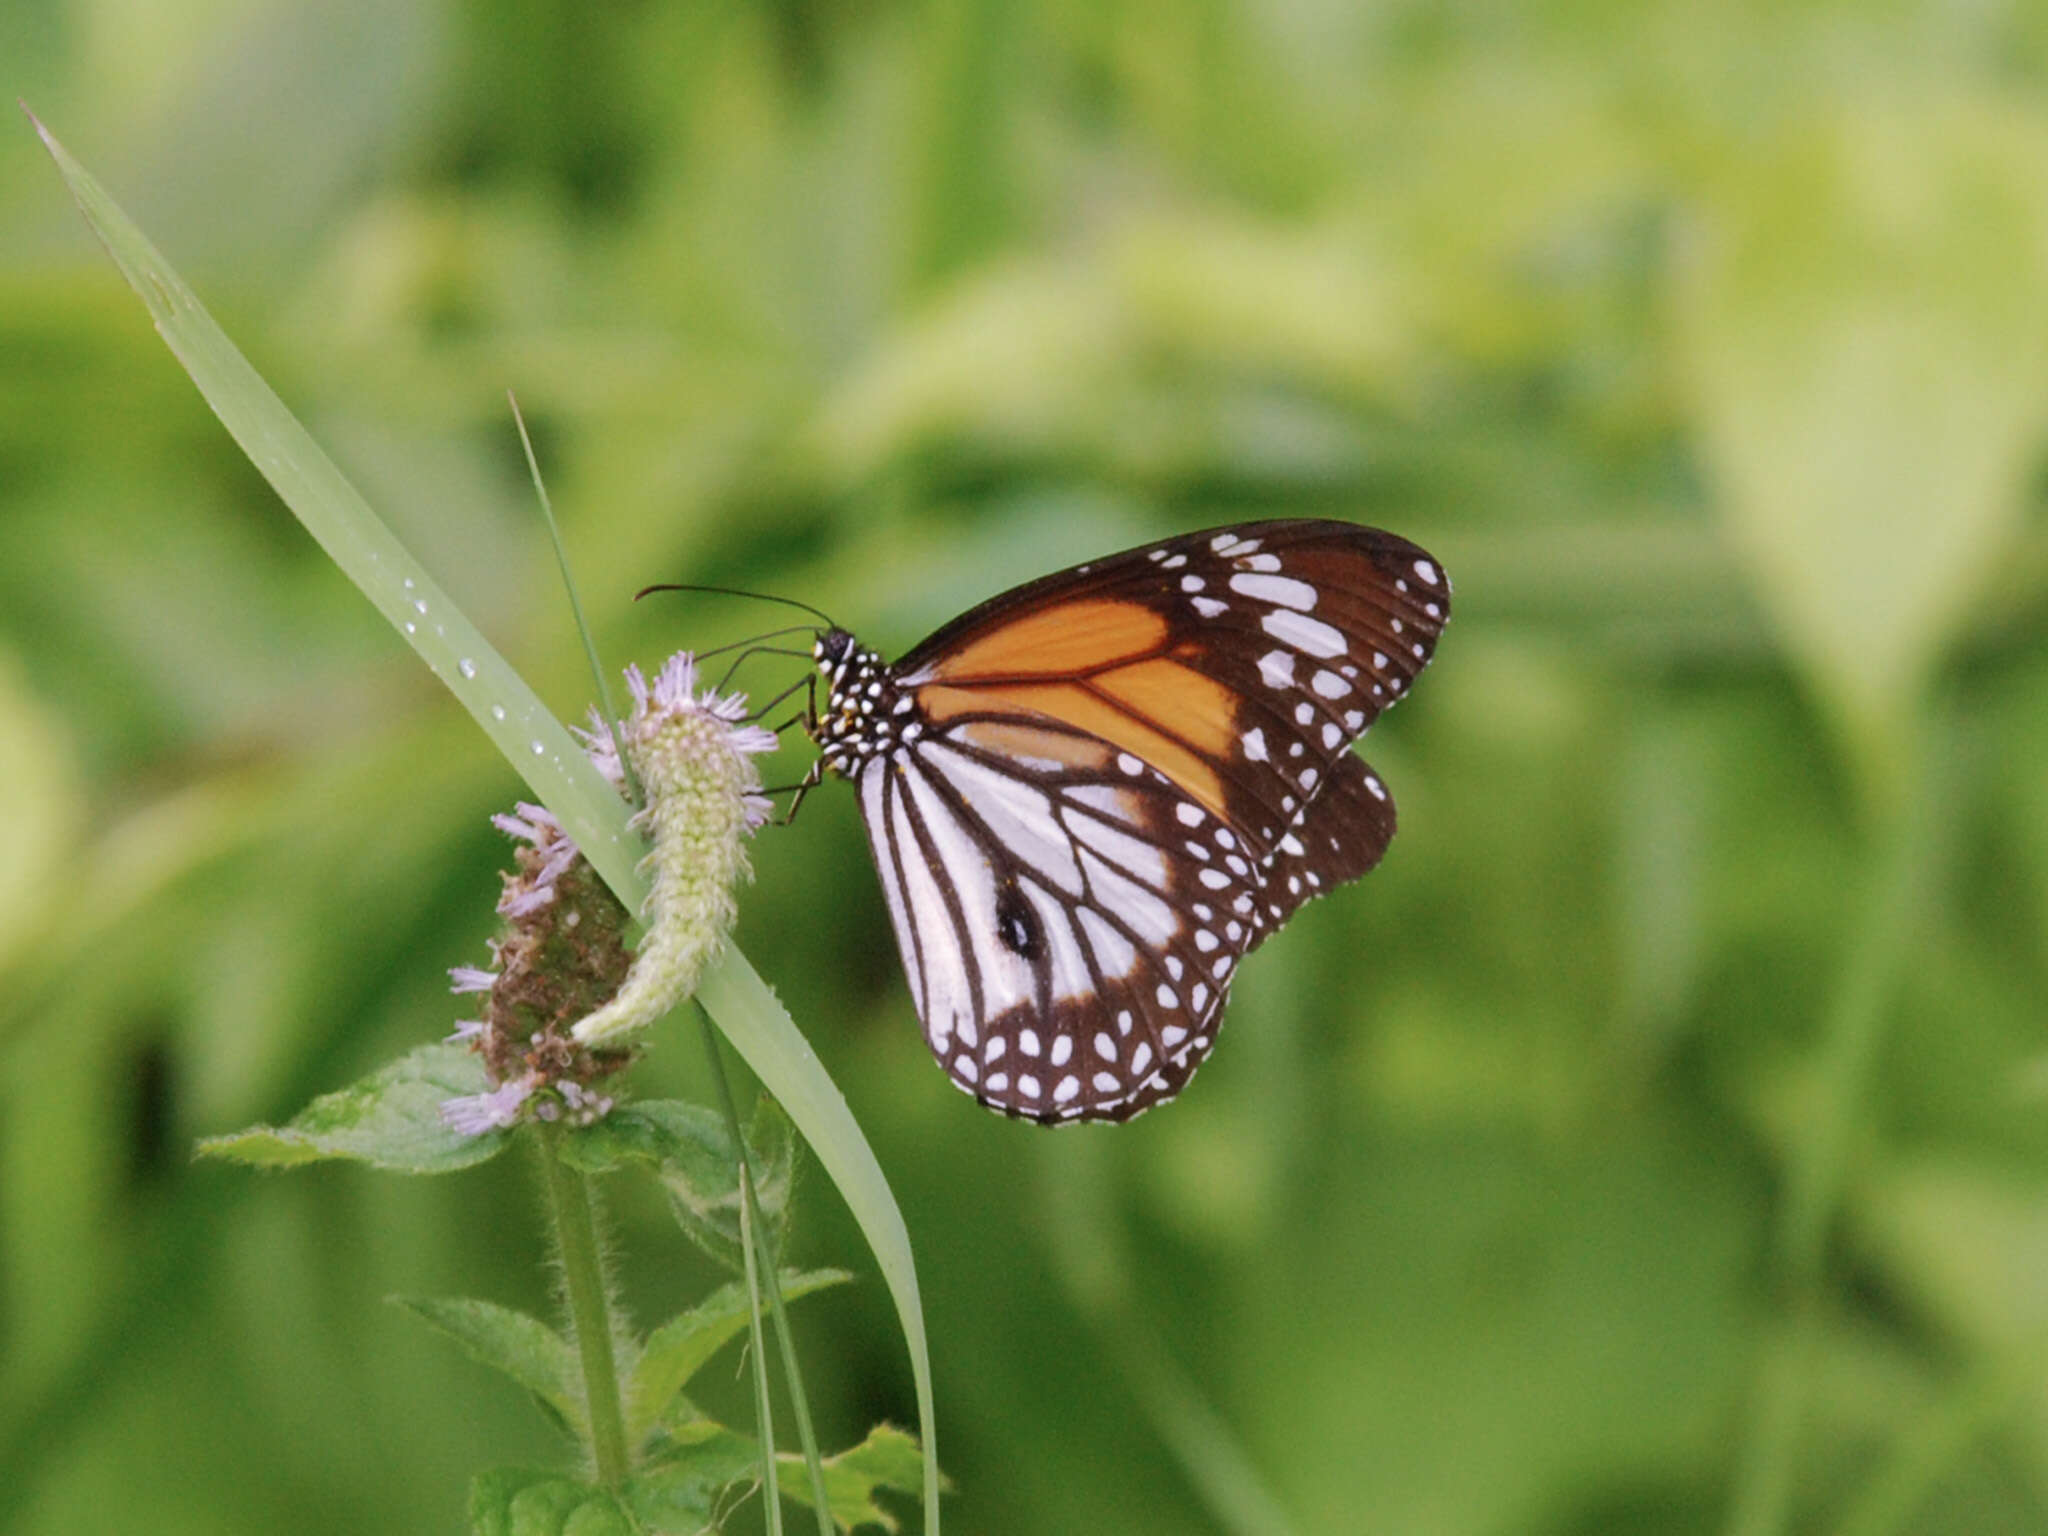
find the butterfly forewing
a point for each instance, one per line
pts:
(1241, 662)
(1090, 797)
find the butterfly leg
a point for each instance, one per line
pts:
(805, 785)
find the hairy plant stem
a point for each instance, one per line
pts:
(590, 1313)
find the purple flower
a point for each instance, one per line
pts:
(475, 1113)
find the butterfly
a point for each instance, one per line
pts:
(1091, 797)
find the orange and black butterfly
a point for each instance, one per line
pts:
(1089, 798)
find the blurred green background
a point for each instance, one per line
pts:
(1658, 1142)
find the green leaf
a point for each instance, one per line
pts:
(390, 1120)
(1866, 336)
(683, 1485)
(678, 1349)
(532, 740)
(684, 1481)
(518, 1501)
(523, 1347)
(889, 1458)
(690, 1150)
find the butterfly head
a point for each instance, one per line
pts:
(865, 713)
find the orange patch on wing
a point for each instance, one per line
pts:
(1071, 704)
(1197, 708)
(1033, 744)
(1077, 637)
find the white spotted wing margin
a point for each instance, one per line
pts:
(1070, 928)
(1345, 833)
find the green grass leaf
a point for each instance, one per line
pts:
(537, 745)
(390, 1120)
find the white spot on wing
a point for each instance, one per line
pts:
(1283, 590)
(1276, 669)
(1303, 633)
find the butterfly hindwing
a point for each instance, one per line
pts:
(1070, 921)
(1345, 833)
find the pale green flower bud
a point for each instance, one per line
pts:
(694, 757)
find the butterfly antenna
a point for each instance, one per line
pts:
(749, 654)
(759, 597)
(773, 634)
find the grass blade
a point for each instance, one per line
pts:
(538, 746)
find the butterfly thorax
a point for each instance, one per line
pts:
(866, 714)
